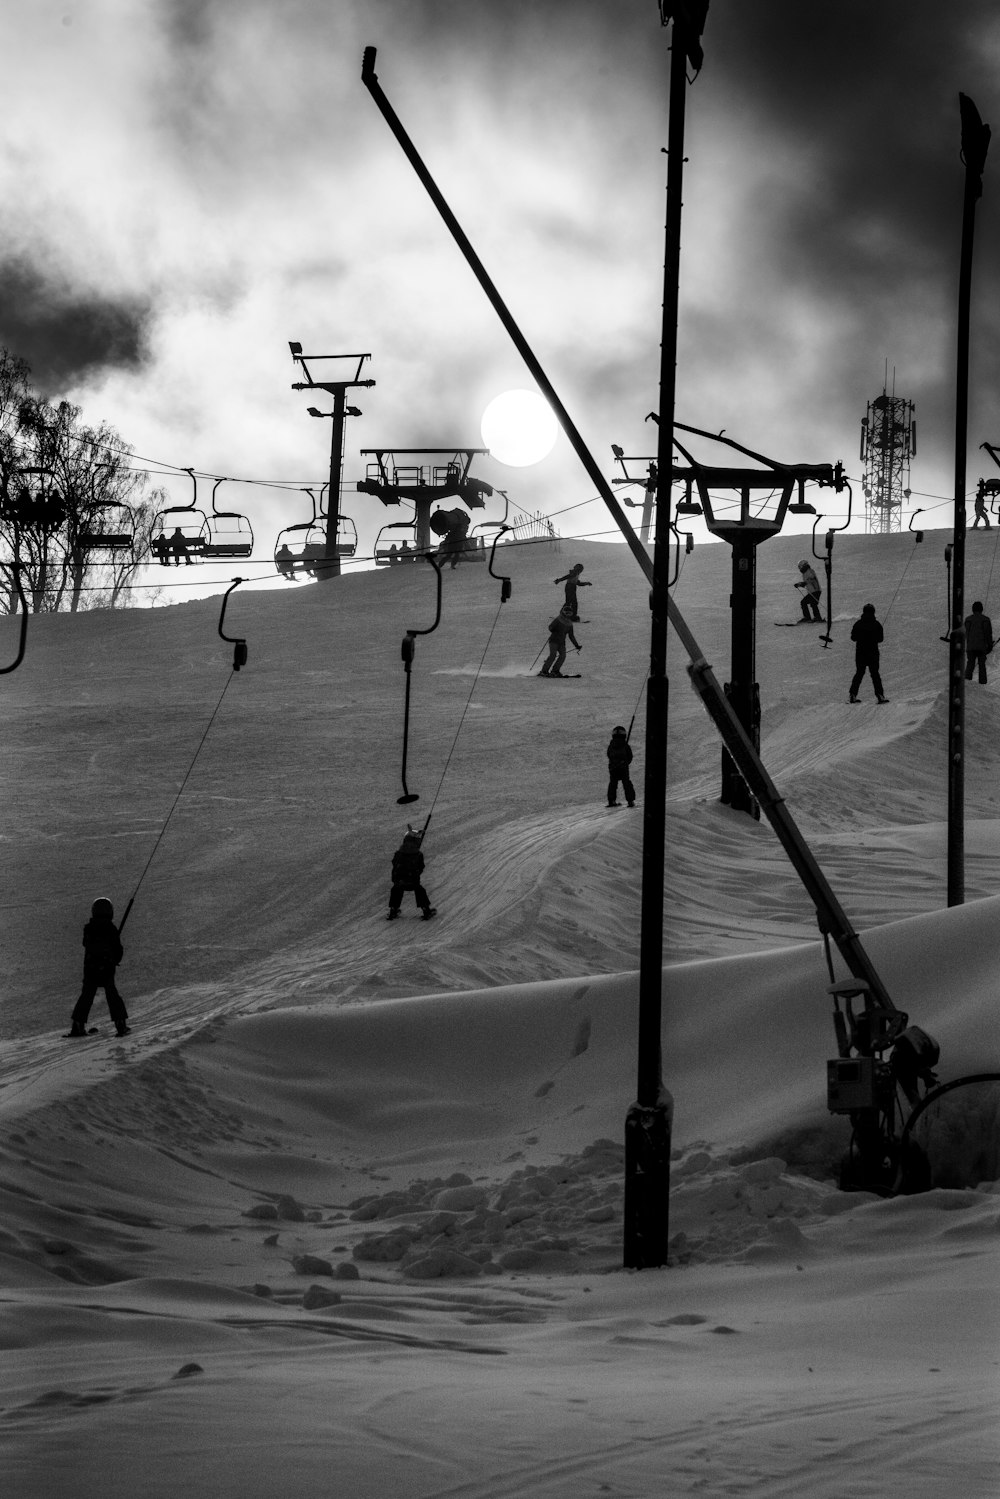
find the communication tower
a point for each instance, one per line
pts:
(888, 442)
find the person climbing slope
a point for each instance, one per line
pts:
(867, 635)
(811, 595)
(407, 869)
(560, 630)
(978, 642)
(102, 952)
(619, 760)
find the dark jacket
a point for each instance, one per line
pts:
(407, 866)
(561, 629)
(978, 632)
(867, 634)
(619, 753)
(102, 947)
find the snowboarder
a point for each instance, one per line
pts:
(407, 867)
(978, 642)
(102, 952)
(573, 581)
(812, 593)
(619, 760)
(867, 635)
(560, 630)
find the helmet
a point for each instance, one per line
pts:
(803, 567)
(102, 908)
(619, 729)
(567, 609)
(577, 567)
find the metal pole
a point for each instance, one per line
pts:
(331, 567)
(975, 143)
(648, 1122)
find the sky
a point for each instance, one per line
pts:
(190, 184)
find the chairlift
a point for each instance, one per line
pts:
(114, 531)
(180, 532)
(389, 551)
(230, 533)
(302, 548)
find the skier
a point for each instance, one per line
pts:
(407, 867)
(102, 952)
(573, 581)
(560, 630)
(812, 593)
(867, 635)
(978, 642)
(619, 760)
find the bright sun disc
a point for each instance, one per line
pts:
(519, 428)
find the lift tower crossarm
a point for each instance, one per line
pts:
(832, 918)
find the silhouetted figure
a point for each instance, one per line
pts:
(560, 630)
(867, 635)
(160, 548)
(102, 952)
(284, 561)
(619, 760)
(453, 525)
(573, 581)
(407, 868)
(978, 642)
(981, 514)
(178, 545)
(812, 593)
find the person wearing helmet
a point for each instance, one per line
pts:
(619, 760)
(867, 635)
(102, 952)
(811, 595)
(560, 630)
(573, 581)
(407, 868)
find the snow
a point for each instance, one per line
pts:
(343, 1213)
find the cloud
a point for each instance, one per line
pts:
(65, 332)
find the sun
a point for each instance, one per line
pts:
(519, 428)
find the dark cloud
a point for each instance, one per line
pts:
(67, 333)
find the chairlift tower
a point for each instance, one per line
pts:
(888, 442)
(338, 390)
(398, 474)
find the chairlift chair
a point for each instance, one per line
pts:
(230, 533)
(180, 532)
(388, 551)
(114, 531)
(300, 548)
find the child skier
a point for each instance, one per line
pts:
(573, 581)
(812, 593)
(407, 867)
(102, 952)
(619, 760)
(560, 630)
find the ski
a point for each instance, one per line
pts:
(562, 676)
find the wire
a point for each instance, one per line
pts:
(177, 798)
(465, 710)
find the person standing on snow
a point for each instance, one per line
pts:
(812, 593)
(102, 952)
(619, 760)
(978, 642)
(573, 581)
(560, 630)
(867, 635)
(407, 868)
